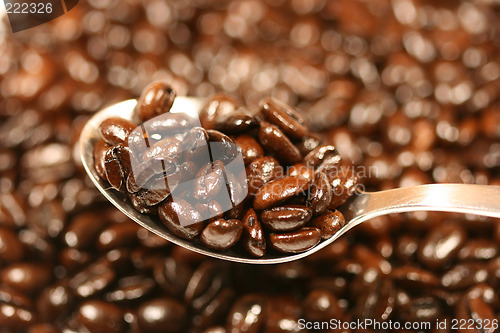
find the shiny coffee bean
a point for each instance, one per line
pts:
(11, 248)
(262, 171)
(278, 191)
(55, 302)
(300, 169)
(422, 309)
(15, 317)
(118, 235)
(247, 314)
(321, 305)
(117, 166)
(275, 141)
(130, 289)
(250, 148)
(26, 277)
(158, 191)
(308, 143)
(295, 241)
(478, 249)
(93, 279)
(11, 296)
(116, 130)
(99, 316)
(195, 146)
(221, 234)
(218, 106)
(464, 275)
(441, 245)
(375, 297)
(172, 213)
(161, 315)
(209, 181)
(344, 183)
(138, 201)
(252, 237)
(414, 278)
(329, 223)
(168, 147)
(406, 248)
(155, 99)
(100, 149)
(320, 194)
(144, 174)
(285, 218)
(290, 121)
(321, 154)
(214, 311)
(83, 230)
(73, 259)
(238, 121)
(172, 275)
(222, 147)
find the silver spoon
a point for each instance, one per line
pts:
(461, 198)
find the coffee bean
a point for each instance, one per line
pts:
(262, 171)
(161, 315)
(295, 241)
(11, 248)
(275, 141)
(116, 130)
(221, 234)
(406, 248)
(344, 183)
(464, 275)
(118, 235)
(145, 175)
(414, 278)
(138, 201)
(43, 328)
(130, 289)
(308, 143)
(181, 218)
(99, 316)
(117, 166)
(250, 148)
(93, 279)
(238, 121)
(15, 317)
(168, 147)
(209, 181)
(247, 314)
(218, 106)
(278, 191)
(422, 309)
(252, 237)
(478, 249)
(172, 275)
(73, 259)
(195, 146)
(214, 311)
(329, 223)
(323, 153)
(321, 305)
(26, 277)
(441, 245)
(55, 302)
(83, 230)
(155, 99)
(285, 218)
(300, 169)
(376, 299)
(100, 149)
(285, 117)
(222, 147)
(320, 195)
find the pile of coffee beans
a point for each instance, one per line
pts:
(171, 167)
(408, 88)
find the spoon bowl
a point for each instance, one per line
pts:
(362, 206)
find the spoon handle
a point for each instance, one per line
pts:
(461, 198)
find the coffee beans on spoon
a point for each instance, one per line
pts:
(239, 183)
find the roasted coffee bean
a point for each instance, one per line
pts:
(422, 309)
(262, 171)
(73, 259)
(155, 99)
(300, 169)
(161, 315)
(118, 235)
(195, 146)
(93, 279)
(275, 141)
(250, 148)
(221, 234)
(238, 121)
(290, 121)
(344, 184)
(222, 147)
(320, 194)
(277, 191)
(99, 316)
(321, 154)
(83, 230)
(116, 130)
(441, 245)
(144, 175)
(218, 106)
(55, 302)
(172, 275)
(158, 192)
(209, 181)
(406, 247)
(11, 248)
(464, 275)
(130, 289)
(26, 277)
(376, 299)
(285, 218)
(478, 249)
(252, 237)
(308, 143)
(329, 223)
(181, 218)
(117, 166)
(414, 278)
(295, 241)
(247, 314)
(369, 259)
(11, 296)
(168, 147)
(214, 311)
(321, 305)
(15, 317)
(100, 149)
(139, 203)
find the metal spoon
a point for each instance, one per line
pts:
(461, 198)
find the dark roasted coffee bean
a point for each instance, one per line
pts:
(330, 222)
(93, 279)
(100, 149)
(15, 317)
(422, 309)
(221, 234)
(285, 117)
(275, 141)
(262, 171)
(73, 259)
(441, 245)
(252, 237)
(155, 99)
(295, 241)
(406, 247)
(300, 169)
(375, 296)
(222, 147)
(11, 296)
(158, 191)
(218, 106)
(83, 230)
(138, 201)
(344, 183)
(11, 248)
(279, 190)
(26, 277)
(181, 218)
(99, 316)
(369, 259)
(285, 218)
(118, 235)
(209, 181)
(168, 147)
(55, 302)
(238, 121)
(464, 275)
(308, 143)
(146, 173)
(478, 249)
(414, 278)
(161, 315)
(172, 275)
(130, 289)
(214, 311)
(250, 148)
(117, 165)
(321, 305)
(116, 130)
(321, 154)
(247, 314)
(195, 146)
(320, 194)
